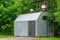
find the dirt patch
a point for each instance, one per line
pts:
(18, 38)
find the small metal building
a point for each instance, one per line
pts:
(31, 24)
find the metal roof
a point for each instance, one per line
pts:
(28, 17)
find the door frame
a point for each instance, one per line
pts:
(31, 30)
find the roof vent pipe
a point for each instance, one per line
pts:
(31, 10)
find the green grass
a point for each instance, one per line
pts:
(6, 36)
(52, 38)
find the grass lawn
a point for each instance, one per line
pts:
(51, 38)
(6, 36)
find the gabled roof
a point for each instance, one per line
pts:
(28, 17)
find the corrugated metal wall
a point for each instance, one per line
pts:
(41, 27)
(21, 28)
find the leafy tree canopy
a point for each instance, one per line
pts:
(9, 10)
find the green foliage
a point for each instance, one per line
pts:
(56, 15)
(47, 38)
(9, 10)
(50, 15)
(6, 36)
(57, 18)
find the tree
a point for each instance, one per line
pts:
(9, 10)
(56, 16)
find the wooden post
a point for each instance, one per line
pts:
(37, 5)
(46, 3)
(53, 14)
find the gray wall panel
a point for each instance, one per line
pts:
(21, 29)
(41, 27)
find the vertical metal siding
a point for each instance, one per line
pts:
(41, 27)
(36, 28)
(21, 28)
